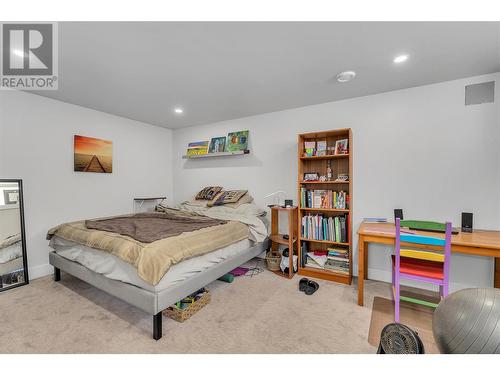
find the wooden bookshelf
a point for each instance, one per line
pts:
(278, 239)
(340, 164)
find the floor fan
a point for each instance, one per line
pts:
(397, 338)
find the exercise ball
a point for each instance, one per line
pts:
(468, 321)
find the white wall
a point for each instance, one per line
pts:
(36, 144)
(419, 149)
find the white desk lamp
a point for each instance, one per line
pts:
(279, 198)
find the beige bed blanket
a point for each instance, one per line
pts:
(154, 259)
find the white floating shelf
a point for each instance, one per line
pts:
(215, 154)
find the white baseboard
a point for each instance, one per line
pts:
(42, 270)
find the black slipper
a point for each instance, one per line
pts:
(312, 286)
(303, 284)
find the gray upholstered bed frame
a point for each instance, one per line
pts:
(152, 302)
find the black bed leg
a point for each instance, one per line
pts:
(157, 331)
(57, 274)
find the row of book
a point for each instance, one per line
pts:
(319, 227)
(332, 259)
(313, 148)
(324, 199)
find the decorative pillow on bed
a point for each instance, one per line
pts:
(227, 197)
(160, 208)
(247, 198)
(209, 192)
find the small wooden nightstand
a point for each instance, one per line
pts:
(277, 238)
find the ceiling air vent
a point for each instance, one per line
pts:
(480, 93)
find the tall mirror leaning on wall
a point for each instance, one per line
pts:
(13, 262)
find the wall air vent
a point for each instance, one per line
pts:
(480, 93)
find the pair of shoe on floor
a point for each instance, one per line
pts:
(308, 286)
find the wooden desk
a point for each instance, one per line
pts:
(480, 242)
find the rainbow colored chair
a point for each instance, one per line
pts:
(424, 265)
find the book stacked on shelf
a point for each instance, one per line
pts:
(337, 260)
(316, 259)
(322, 228)
(333, 259)
(324, 199)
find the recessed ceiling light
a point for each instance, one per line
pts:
(401, 58)
(178, 110)
(346, 76)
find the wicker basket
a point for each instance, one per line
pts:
(181, 315)
(273, 260)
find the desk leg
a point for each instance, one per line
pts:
(361, 269)
(496, 277)
(365, 274)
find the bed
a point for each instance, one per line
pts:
(93, 256)
(11, 260)
(11, 255)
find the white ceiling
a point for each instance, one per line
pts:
(219, 71)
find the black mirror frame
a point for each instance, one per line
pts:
(23, 234)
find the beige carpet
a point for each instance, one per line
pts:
(417, 317)
(262, 314)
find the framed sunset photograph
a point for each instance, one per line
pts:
(93, 155)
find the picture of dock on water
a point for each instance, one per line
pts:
(93, 155)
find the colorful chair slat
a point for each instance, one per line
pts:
(425, 255)
(420, 265)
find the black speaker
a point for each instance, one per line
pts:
(467, 222)
(398, 214)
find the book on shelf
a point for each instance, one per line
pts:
(338, 259)
(319, 260)
(329, 199)
(320, 148)
(340, 267)
(316, 261)
(341, 255)
(310, 148)
(313, 264)
(304, 246)
(322, 228)
(325, 262)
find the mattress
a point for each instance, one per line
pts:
(114, 268)
(11, 266)
(11, 252)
